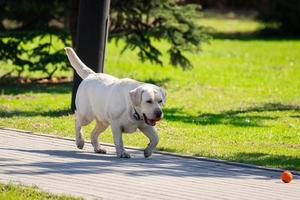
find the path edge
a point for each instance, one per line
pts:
(214, 160)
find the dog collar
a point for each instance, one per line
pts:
(136, 115)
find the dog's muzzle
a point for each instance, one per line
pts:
(151, 122)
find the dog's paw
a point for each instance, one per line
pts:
(147, 152)
(123, 154)
(100, 150)
(80, 144)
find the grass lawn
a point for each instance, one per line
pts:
(238, 22)
(20, 192)
(240, 102)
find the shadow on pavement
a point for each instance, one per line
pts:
(76, 162)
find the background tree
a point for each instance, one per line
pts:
(91, 31)
(286, 14)
(138, 22)
(28, 29)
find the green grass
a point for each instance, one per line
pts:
(20, 192)
(240, 102)
(231, 22)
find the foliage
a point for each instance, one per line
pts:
(275, 12)
(27, 39)
(33, 24)
(32, 14)
(225, 4)
(139, 22)
(34, 51)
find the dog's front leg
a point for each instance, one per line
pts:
(117, 133)
(151, 133)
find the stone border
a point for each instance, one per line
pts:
(214, 160)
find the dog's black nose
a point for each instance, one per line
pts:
(158, 113)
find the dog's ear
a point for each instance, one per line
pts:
(163, 94)
(136, 95)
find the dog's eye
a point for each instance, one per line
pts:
(160, 101)
(149, 101)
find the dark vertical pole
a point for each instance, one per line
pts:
(92, 29)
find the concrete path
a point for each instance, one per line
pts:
(55, 165)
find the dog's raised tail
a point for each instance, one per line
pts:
(82, 70)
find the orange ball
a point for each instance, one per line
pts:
(286, 176)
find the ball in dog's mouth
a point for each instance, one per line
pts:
(150, 122)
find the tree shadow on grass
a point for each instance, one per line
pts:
(241, 118)
(49, 113)
(261, 35)
(13, 88)
(158, 82)
(263, 159)
(257, 158)
(295, 116)
(21, 88)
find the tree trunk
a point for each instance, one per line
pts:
(91, 36)
(72, 19)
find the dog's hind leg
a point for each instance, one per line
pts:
(99, 128)
(79, 136)
(79, 122)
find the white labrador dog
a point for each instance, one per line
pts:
(125, 104)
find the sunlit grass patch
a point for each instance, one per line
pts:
(20, 192)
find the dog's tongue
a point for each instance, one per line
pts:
(153, 121)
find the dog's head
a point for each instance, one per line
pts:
(149, 99)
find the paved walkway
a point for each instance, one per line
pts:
(55, 165)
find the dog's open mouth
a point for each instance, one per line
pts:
(150, 122)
